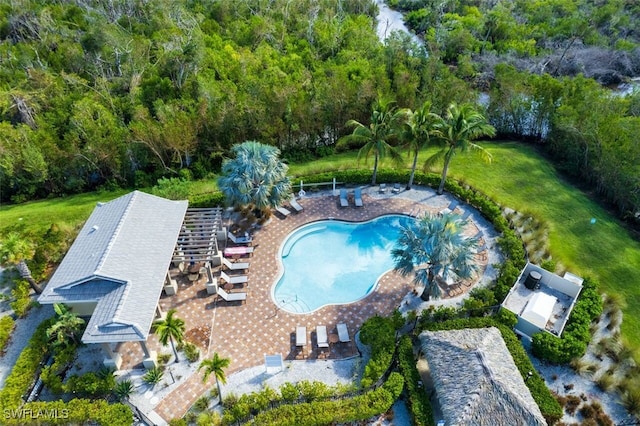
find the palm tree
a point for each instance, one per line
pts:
(67, 326)
(434, 248)
(385, 121)
(455, 131)
(255, 177)
(417, 133)
(14, 250)
(169, 329)
(215, 365)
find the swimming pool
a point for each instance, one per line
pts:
(333, 262)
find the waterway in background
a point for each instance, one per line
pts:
(390, 20)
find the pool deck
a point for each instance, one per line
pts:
(246, 332)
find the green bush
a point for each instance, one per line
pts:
(379, 334)
(191, 351)
(289, 392)
(153, 376)
(22, 301)
(123, 389)
(90, 385)
(6, 327)
(76, 411)
(418, 401)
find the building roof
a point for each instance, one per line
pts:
(476, 380)
(119, 259)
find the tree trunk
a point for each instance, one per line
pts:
(219, 390)
(173, 346)
(426, 293)
(375, 169)
(445, 168)
(25, 273)
(413, 170)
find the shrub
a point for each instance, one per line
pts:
(153, 376)
(78, 411)
(201, 404)
(417, 399)
(123, 389)
(191, 351)
(6, 327)
(289, 392)
(22, 301)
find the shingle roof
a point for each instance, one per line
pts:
(476, 380)
(120, 259)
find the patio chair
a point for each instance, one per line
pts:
(343, 333)
(357, 197)
(235, 279)
(466, 215)
(321, 335)
(283, 211)
(235, 266)
(297, 207)
(344, 201)
(396, 188)
(246, 239)
(231, 297)
(482, 252)
(383, 188)
(450, 208)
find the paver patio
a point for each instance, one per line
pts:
(246, 332)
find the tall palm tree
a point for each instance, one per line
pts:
(215, 365)
(14, 250)
(67, 326)
(417, 133)
(169, 329)
(255, 177)
(435, 247)
(385, 124)
(455, 131)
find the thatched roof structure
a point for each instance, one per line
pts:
(476, 380)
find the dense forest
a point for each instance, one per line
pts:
(95, 93)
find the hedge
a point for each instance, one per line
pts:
(549, 406)
(6, 327)
(419, 404)
(361, 407)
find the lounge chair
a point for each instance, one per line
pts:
(396, 188)
(383, 188)
(301, 336)
(482, 252)
(343, 333)
(297, 207)
(283, 211)
(237, 251)
(450, 208)
(235, 266)
(235, 279)
(246, 239)
(466, 215)
(344, 201)
(231, 297)
(321, 335)
(357, 197)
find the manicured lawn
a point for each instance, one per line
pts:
(521, 179)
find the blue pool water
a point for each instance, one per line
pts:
(333, 262)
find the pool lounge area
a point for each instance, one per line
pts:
(247, 332)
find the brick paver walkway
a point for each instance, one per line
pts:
(246, 332)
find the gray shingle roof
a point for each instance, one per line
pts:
(120, 259)
(476, 380)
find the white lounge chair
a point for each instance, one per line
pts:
(235, 266)
(357, 196)
(283, 211)
(383, 188)
(343, 333)
(231, 297)
(321, 335)
(450, 208)
(301, 336)
(297, 207)
(246, 239)
(236, 279)
(396, 188)
(466, 215)
(344, 201)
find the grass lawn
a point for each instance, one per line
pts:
(517, 178)
(521, 179)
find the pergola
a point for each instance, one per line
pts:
(198, 238)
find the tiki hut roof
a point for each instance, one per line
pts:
(476, 380)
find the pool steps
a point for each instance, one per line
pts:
(292, 242)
